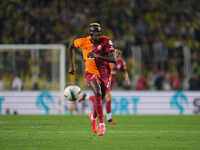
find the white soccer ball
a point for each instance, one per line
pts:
(72, 92)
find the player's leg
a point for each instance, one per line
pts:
(98, 105)
(94, 82)
(108, 99)
(108, 105)
(93, 115)
(94, 112)
(98, 100)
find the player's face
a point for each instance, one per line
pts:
(95, 36)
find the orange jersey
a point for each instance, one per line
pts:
(86, 46)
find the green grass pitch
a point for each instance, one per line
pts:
(132, 132)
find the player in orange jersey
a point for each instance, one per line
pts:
(120, 65)
(98, 52)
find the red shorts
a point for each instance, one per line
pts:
(103, 82)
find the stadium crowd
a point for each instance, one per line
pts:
(163, 31)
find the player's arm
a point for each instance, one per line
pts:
(72, 68)
(110, 58)
(124, 70)
(126, 78)
(109, 50)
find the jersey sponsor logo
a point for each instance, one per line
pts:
(178, 101)
(1, 100)
(99, 47)
(196, 104)
(125, 105)
(44, 100)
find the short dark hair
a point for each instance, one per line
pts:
(94, 27)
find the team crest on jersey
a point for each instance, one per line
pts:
(118, 66)
(99, 47)
(110, 42)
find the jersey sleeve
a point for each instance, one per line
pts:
(77, 43)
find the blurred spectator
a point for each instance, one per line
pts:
(16, 82)
(2, 86)
(158, 52)
(152, 77)
(130, 63)
(167, 82)
(147, 52)
(142, 83)
(140, 30)
(194, 83)
(159, 80)
(176, 81)
(160, 29)
(22, 65)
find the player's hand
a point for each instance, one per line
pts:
(72, 69)
(91, 55)
(127, 81)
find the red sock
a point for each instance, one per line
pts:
(108, 107)
(99, 108)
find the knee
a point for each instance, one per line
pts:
(108, 97)
(98, 93)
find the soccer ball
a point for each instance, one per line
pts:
(72, 92)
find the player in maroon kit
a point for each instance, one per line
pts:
(120, 65)
(98, 53)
